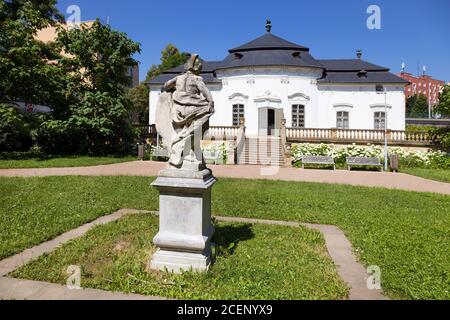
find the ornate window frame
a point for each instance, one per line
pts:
(238, 103)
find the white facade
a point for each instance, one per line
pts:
(263, 89)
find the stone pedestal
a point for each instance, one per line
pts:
(185, 228)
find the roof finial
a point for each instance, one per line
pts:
(359, 54)
(268, 25)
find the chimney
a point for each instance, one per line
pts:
(359, 54)
(268, 25)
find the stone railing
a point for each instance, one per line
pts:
(309, 134)
(222, 133)
(357, 136)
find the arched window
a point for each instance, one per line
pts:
(298, 116)
(342, 120)
(379, 120)
(238, 114)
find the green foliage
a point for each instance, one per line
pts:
(419, 128)
(45, 11)
(95, 121)
(443, 108)
(25, 74)
(15, 133)
(171, 57)
(39, 160)
(417, 105)
(422, 159)
(432, 174)
(85, 87)
(138, 107)
(405, 233)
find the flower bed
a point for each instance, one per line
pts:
(421, 159)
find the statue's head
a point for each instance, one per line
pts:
(194, 64)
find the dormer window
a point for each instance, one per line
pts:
(238, 56)
(362, 74)
(297, 54)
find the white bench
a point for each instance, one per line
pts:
(322, 160)
(159, 152)
(213, 156)
(363, 161)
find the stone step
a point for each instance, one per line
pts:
(262, 151)
(280, 164)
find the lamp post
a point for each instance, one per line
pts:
(386, 167)
(385, 132)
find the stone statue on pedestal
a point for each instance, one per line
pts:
(185, 228)
(182, 115)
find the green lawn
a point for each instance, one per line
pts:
(405, 233)
(62, 162)
(264, 262)
(433, 174)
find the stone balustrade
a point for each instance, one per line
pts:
(222, 133)
(357, 136)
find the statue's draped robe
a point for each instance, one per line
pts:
(181, 113)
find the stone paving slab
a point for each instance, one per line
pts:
(18, 289)
(338, 246)
(388, 180)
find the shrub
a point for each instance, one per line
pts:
(15, 132)
(424, 159)
(55, 137)
(219, 147)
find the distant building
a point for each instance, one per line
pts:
(133, 73)
(270, 80)
(423, 85)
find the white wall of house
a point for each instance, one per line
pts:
(280, 88)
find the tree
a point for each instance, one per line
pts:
(15, 132)
(138, 98)
(417, 105)
(96, 61)
(46, 11)
(443, 109)
(171, 57)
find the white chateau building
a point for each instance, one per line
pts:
(270, 79)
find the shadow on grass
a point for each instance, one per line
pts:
(228, 237)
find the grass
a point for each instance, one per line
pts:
(263, 262)
(62, 162)
(432, 174)
(405, 233)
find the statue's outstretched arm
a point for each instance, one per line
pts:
(169, 85)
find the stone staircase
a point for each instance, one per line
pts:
(262, 151)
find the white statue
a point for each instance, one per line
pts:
(182, 116)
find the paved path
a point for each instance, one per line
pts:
(338, 246)
(148, 168)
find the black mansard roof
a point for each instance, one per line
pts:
(268, 42)
(271, 50)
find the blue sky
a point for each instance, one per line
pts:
(416, 32)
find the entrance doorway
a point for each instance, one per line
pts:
(269, 122)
